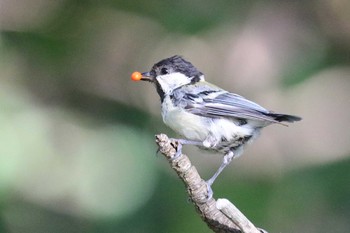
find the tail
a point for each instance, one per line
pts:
(283, 117)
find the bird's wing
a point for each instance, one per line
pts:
(219, 103)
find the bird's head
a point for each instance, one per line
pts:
(170, 74)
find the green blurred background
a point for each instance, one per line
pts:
(77, 151)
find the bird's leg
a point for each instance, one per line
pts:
(225, 161)
(184, 142)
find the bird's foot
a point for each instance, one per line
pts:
(181, 142)
(210, 191)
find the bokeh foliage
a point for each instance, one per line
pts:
(77, 150)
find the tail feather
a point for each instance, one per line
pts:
(284, 117)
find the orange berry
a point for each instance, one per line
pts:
(136, 76)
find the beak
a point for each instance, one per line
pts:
(146, 76)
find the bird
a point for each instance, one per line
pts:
(206, 115)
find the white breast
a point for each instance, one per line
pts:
(190, 126)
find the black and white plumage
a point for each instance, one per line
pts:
(206, 115)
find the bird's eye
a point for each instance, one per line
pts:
(164, 71)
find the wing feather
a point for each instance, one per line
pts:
(220, 103)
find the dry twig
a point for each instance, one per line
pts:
(221, 215)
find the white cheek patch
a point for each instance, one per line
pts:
(169, 82)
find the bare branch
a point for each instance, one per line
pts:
(221, 216)
(236, 216)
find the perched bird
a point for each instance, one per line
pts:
(204, 114)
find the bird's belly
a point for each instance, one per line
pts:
(227, 136)
(190, 126)
(221, 134)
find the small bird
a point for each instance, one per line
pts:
(204, 114)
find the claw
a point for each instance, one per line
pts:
(178, 151)
(181, 142)
(210, 191)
